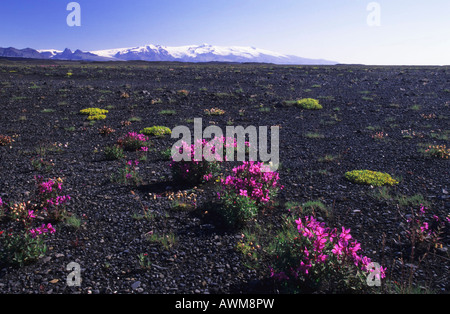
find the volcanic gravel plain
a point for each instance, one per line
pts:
(376, 118)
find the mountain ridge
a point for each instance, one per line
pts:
(189, 53)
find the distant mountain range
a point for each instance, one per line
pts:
(193, 53)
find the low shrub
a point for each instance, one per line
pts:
(24, 241)
(24, 247)
(251, 186)
(50, 198)
(94, 114)
(133, 141)
(236, 210)
(156, 130)
(253, 180)
(114, 152)
(93, 111)
(128, 174)
(214, 112)
(437, 151)
(370, 177)
(167, 112)
(309, 103)
(96, 117)
(5, 140)
(105, 130)
(193, 171)
(309, 256)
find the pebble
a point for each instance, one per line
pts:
(135, 285)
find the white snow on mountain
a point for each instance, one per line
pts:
(203, 53)
(53, 52)
(189, 53)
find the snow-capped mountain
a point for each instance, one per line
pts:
(205, 53)
(192, 53)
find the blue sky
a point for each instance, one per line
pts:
(410, 32)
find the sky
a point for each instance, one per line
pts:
(384, 32)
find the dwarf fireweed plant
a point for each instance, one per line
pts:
(254, 180)
(40, 164)
(144, 261)
(314, 257)
(50, 197)
(195, 170)
(250, 186)
(23, 242)
(128, 174)
(202, 160)
(133, 141)
(424, 228)
(237, 210)
(113, 152)
(26, 246)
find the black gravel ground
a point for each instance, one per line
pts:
(358, 101)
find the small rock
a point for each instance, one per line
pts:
(135, 285)
(46, 259)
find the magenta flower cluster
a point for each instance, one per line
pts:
(48, 192)
(47, 187)
(42, 230)
(319, 245)
(424, 226)
(59, 200)
(253, 180)
(136, 136)
(133, 141)
(130, 170)
(194, 168)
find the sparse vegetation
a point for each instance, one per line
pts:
(159, 131)
(370, 177)
(167, 112)
(290, 238)
(309, 103)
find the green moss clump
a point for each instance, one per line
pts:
(156, 130)
(370, 177)
(97, 117)
(94, 111)
(309, 103)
